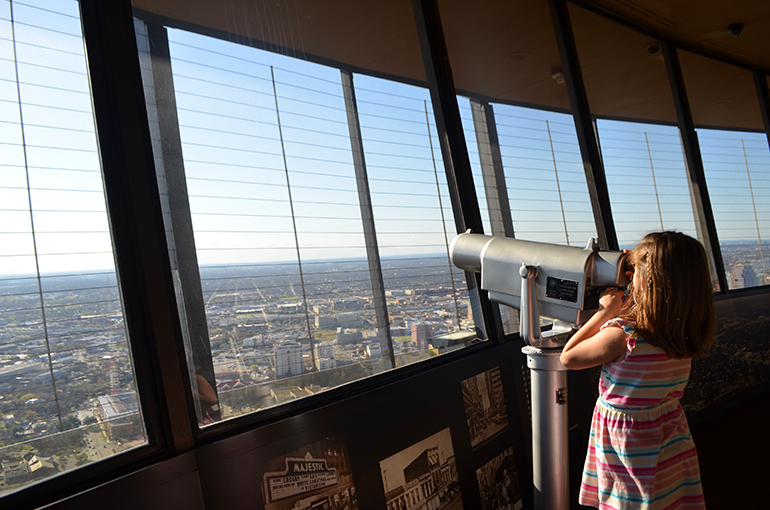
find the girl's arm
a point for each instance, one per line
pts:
(590, 347)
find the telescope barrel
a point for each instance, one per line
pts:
(569, 278)
(466, 251)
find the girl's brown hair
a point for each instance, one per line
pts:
(675, 308)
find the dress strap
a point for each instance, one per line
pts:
(627, 328)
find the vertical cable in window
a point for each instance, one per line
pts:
(443, 220)
(654, 182)
(558, 186)
(754, 205)
(293, 221)
(32, 221)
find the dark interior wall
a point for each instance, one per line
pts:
(376, 424)
(739, 365)
(170, 484)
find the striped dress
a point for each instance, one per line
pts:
(640, 453)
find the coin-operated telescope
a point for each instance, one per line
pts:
(558, 282)
(540, 279)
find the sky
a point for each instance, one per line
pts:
(237, 174)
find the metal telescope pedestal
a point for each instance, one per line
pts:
(550, 456)
(550, 459)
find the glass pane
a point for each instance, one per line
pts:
(321, 256)
(427, 295)
(505, 54)
(647, 179)
(278, 230)
(736, 162)
(737, 167)
(544, 176)
(545, 181)
(67, 394)
(626, 79)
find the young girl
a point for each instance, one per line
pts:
(640, 453)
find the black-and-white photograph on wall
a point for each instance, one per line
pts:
(423, 476)
(499, 483)
(314, 477)
(485, 407)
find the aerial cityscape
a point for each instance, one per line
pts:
(67, 392)
(78, 404)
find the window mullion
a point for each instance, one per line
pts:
(135, 217)
(367, 217)
(701, 203)
(492, 170)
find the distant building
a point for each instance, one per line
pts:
(280, 395)
(288, 359)
(399, 331)
(397, 321)
(454, 340)
(290, 307)
(422, 333)
(349, 304)
(348, 319)
(325, 321)
(253, 341)
(119, 413)
(15, 471)
(347, 336)
(324, 355)
(326, 363)
(39, 468)
(324, 350)
(743, 276)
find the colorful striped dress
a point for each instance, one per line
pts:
(640, 453)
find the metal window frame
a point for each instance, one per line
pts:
(492, 170)
(699, 196)
(454, 150)
(593, 164)
(141, 258)
(367, 218)
(763, 95)
(136, 221)
(170, 171)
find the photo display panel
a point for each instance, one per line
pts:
(316, 476)
(445, 437)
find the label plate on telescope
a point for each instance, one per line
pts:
(566, 290)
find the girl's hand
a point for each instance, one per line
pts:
(591, 345)
(611, 301)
